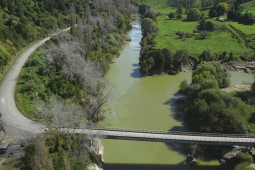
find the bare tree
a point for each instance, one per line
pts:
(80, 30)
(88, 14)
(72, 17)
(101, 2)
(89, 75)
(89, 41)
(96, 5)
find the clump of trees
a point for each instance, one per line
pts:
(61, 151)
(218, 10)
(208, 26)
(149, 31)
(194, 14)
(162, 59)
(209, 109)
(247, 18)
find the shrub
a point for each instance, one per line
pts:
(212, 13)
(171, 15)
(244, 157)
(209, 26)
(243, 166)
(180, 9)
(203, 34)
(179, 16)
(194, 14)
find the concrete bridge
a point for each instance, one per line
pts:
(166, 136)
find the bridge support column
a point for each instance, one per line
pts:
(191, 157)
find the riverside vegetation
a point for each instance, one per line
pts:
(62, 83)
(182, 34)
(195, 35)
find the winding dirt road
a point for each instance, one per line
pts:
(12, 119)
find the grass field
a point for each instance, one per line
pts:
(218, 42)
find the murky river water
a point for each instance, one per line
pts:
(147, 103)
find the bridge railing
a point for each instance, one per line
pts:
(165, 132)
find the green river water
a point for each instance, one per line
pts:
(148, 103)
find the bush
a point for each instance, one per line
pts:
(244, 157)
(194, 14)
(171, 15)
(203, 34)
(209, 26)
(243, 166)
(179, 16)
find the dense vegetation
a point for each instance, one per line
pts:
(63, 84)
(208, 108)
(61, 152)
(203, 41)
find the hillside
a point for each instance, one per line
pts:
(23, 22)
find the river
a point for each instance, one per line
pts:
(148, 103)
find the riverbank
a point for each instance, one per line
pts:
(246, 67)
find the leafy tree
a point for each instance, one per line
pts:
(171, 15)
(224, 5)
(212, 13)
(209, 26)
(244, 157)
(215, 111)
(5, 56)
(220, 74)
(179, 16)
(203, 34)
(180, 9)
(202, 24)
(148, 26)
(50, 22)
(194, 14)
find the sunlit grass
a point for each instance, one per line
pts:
(218, 42)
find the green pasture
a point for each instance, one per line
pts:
(249, 6)
(218, 42)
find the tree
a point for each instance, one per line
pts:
(244, 157)
(88, 14)
(203, 34)
(212, 13)
(41, 159)
(180, 9)
(202, 24)
(209, 26)
(148, 26)
(194, 14)
(89, 41)
(171, 15)
(224, 5)
(220, 74)
(72, 17)
(179, 16)
(80, 30)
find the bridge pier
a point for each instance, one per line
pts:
(191, 157)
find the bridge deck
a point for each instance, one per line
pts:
(182, 137)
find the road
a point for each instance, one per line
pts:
(12, 120)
